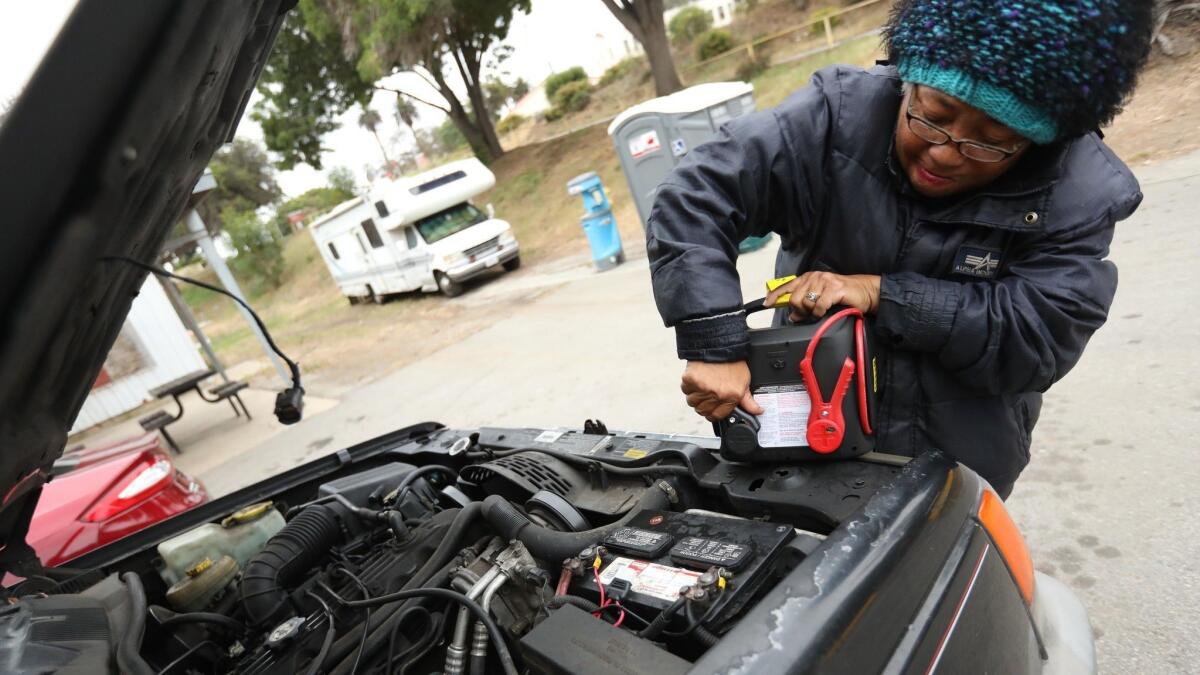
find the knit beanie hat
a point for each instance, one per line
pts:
(1047, 70)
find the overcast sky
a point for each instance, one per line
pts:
(557, 34)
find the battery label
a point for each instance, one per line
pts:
(639, 542)
(784, 422)
(709, 552)
(649, 578)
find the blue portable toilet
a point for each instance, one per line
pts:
(598, 222)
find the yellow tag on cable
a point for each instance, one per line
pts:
(784, 299)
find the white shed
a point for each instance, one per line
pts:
(152, 349)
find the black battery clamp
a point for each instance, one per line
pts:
(817, 383)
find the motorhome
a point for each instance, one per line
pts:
(416, 233)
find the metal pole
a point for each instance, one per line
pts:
(196, 226)
(189, 320)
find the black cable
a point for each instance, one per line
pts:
(196, 282)
(329, 634)
(628, 612)
(289, 403)
(366, 620)
(399, 623)
(497, 637)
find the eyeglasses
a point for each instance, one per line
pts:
(932, 133)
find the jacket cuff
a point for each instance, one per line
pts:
(715, 339)
(916, 312)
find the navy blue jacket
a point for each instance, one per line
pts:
(986, 299)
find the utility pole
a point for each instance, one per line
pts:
(195, 226)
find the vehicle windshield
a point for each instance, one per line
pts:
(445, 223)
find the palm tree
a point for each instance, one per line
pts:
(406, 114)
(369, 120)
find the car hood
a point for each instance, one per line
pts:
(99, 156)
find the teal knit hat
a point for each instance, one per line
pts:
(1047, 70)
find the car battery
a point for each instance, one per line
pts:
(817, 384)
(660, 554)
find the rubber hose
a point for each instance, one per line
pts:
(208, 618)
(556, 546)
(582, 603)
(129, 658)
(450, 544)
(705, 636)
(286, 559)
(378, 638)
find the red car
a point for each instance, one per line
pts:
(99, 495)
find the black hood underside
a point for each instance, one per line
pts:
(99, 157)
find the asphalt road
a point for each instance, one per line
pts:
(1108, 503)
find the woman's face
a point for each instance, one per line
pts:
(942, 170)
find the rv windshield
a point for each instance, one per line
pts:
(445, 223)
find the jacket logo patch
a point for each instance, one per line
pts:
(979, 262)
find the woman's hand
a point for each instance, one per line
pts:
(813, 293)
(715, 389)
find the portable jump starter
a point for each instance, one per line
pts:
(817, 383)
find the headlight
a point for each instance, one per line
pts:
(453, 259)
(507, 237)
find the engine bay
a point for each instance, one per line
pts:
(493, 550)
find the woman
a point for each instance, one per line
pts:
(963, 196)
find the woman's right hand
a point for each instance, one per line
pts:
(713, 390)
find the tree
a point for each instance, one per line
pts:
(442, 41)
(342, 178)
(407, 114)
(305, 86)
(369, 120)
(245, 182)
(498, 94)
(644, 19)
(259, 259)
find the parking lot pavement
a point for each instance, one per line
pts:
(1107, 502)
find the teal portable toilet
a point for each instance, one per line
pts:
(653, 136)
(597, 221)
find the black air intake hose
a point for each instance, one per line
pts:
(286, 559)
(553, 545)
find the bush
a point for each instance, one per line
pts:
(712, 43)
(448, 137)
(509, 124)
(557, 80)
(752, 68)
(573, 96)
(552, 114)
(620, 69)
(259, 260)
(688, 24)
(818, 29)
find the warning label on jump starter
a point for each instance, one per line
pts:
(649, 578)
(785, 420)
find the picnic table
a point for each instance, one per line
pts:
(227, 391)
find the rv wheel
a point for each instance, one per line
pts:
(449, 287)
(512, 265)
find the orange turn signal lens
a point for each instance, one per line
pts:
(1008, 540)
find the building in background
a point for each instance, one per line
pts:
(152, 349)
